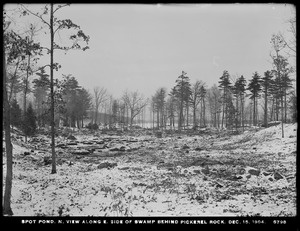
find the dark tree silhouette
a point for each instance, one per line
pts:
(254, 87)
(225, 85)
(29, 124)
(182, 91)
(54, 25)
(267, 81)
(16, 114)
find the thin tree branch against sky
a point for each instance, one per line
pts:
(144, 47)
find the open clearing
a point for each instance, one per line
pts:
(137, 174)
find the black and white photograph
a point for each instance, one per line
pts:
(150, 111)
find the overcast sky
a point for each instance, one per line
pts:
(144, 47)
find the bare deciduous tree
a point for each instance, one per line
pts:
(159, 104)
(291, 43)
(100, 96)
(195, 99)
(135, 103)
(214, 100)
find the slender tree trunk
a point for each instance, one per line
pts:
(173, 121)
(131, 118)
(285, 106)
(180, 115)
(282, 117)
(250, 114)
(153, 116)
(127, 114)
(162, 117)
(25, 93)
(272, 110)
(277, 109)
(96, 115)
(78, 123)
(187, 115)
(150, 117)
(254, 122)
(201, 113)
(226, 110)
(237, 112)
(92, 117)
(204, 112)
(194, 116)
(143, 117)
(157, 119)
(266, 108)
(242, 112)
(223, 109)
(215, 118)
(256, 111)
(216, 111)
(105, 117)
(218, 119)
(222, 115)
(53, 171)
(8, 146)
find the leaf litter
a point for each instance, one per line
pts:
(210, 174)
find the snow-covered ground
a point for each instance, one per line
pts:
(252, 173)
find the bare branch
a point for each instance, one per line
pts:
(35, 14)
(57, 29)
(61, 6)
(46, 48)
(135, 102)
(100, 96)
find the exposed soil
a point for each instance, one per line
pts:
(251, 173)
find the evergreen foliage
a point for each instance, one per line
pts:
(77, 101)
(225, 85)
(16, 114)
(239, 90)
(293, 107)
(41, 93)
(182, 91)
(29, 124)
(254, 87)
(267, 82)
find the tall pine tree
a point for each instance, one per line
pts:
(196, 99)
(41, 91)
(54, 25)
(225, 85)
(242, 89)
(254, 87)
(286, 85)
(29, 124)
(15, 114)
(267, 81)
(182, 92)
(203, 92)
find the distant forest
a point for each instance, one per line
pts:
(232, 102)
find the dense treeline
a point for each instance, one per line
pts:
(224, 105)
(268, 96)
(232, 102)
